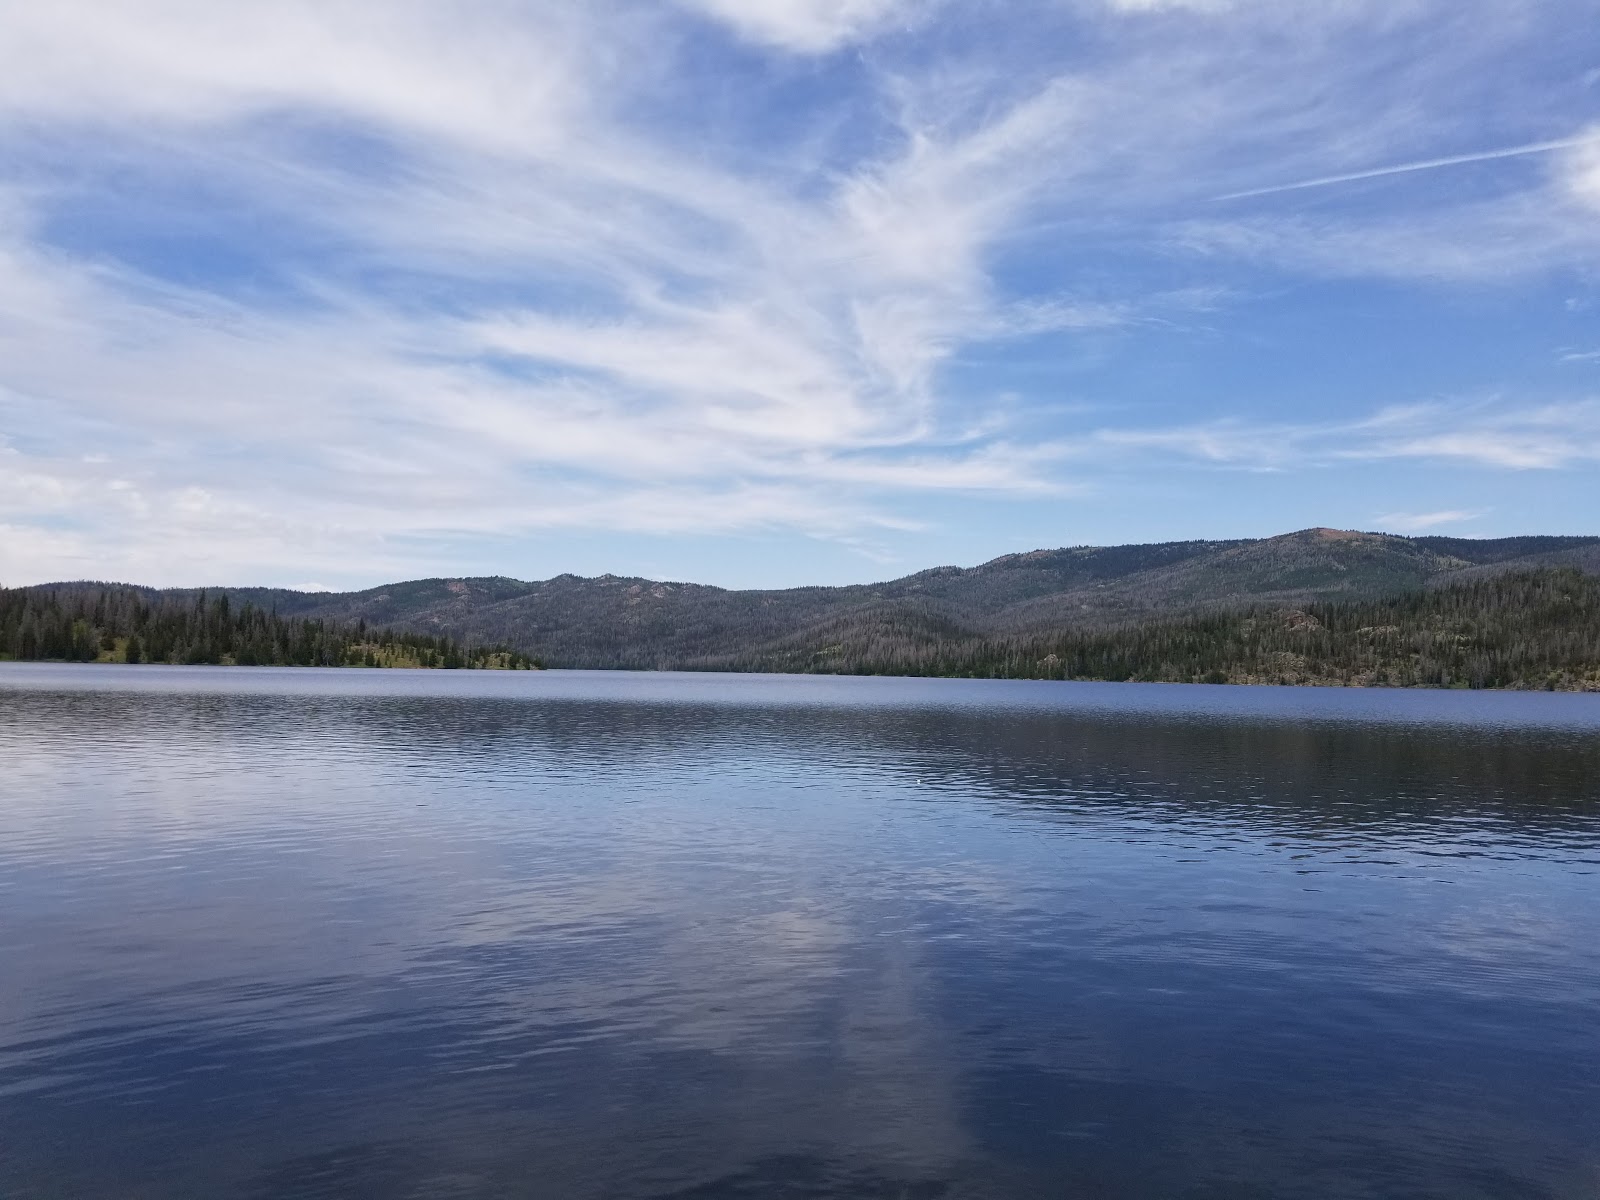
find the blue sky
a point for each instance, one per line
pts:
(768, 292)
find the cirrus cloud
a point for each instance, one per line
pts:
(311, 288)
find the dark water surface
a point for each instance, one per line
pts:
(295, 933)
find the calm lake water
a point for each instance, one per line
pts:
(297, 933)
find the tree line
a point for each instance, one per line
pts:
(103, 623)
(1530, 629)
(1533, 629)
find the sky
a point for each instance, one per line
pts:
(330, 293)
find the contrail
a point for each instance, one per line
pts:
(1425, 165)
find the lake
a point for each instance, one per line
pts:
(301, 933)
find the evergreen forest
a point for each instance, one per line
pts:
(107, 623)
(1528, 630)
(1525, 628)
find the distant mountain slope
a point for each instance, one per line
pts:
(628, 622)
(1521, 629)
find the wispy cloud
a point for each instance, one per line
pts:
(1541, 438)
(737, 359)
(316, 289)
(807, 26)
(1399, 522)
(1498, 435)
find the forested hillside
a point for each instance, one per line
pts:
(100, 623)
(1483, 613)
(1536, 629)
(613, 621)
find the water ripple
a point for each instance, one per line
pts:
(393, 934)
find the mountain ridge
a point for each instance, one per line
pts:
(631, 621)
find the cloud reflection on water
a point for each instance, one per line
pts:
(633, 947)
